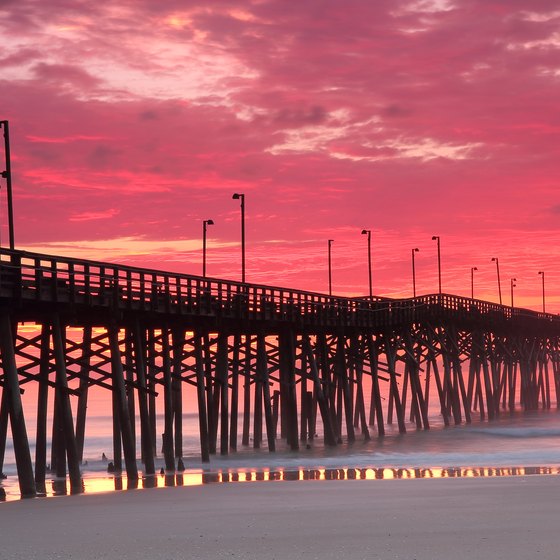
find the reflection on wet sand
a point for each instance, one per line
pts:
(371, 474)
(61, 487)
(222, 477)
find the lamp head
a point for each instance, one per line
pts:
(415, 250)
(541, 272)
(435, 237)
(237, 196)
(365, 231)
(494, 259)
(209, 222)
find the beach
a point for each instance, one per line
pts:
(424, 519)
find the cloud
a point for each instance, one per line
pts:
(64, 74)
(87, 216)
(407, 117)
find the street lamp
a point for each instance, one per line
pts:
(513, 285)
(7, 174)
(368, 233)
(436, 238)
(205, 224)
(542, 274)
(241, 197)
(415, 250)
(330, 267)
(473, 268)
(498, 272)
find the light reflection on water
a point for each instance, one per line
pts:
(531, 441)
(94, 485)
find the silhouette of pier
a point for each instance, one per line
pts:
(284, 364)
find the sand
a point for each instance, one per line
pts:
(493, 518)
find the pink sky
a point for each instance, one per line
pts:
(132, 122)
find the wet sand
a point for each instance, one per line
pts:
(491, 518)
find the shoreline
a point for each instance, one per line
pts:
(425, 519)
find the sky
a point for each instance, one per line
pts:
(133, 121)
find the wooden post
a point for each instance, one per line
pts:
(146, 431)
(258, 398)
(472, 378)
(42, 401)
(262, 374)
(329, 433)
(375, 392)
(130, 385)
(449, 388)
(65, 409)
(246, 391)
(390, 353)
(210, 404)
(152, 384)
(118, 380)
(547, 383)
(234, 392)
(511, 384)
(303, 401)
(287, 373)
(58, 449)
(360, 417)
(4, 416)
(222, 376)
(404, 393)
(480, 398)
(17, 420)
(202, 418)
(178, 337)
(487, 383)
(420, 408)
(168, 402)
(275, 411)
(342, 375)
(168, 453)
(458, 371)
(83, 396)
(427, 384)
(312, 418)
(117, 431)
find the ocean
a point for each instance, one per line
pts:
(517, 443)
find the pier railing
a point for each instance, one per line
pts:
(27, 278)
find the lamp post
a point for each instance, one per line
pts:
(513, 285)
(7, 174)
(473, 268)
(241, 197)
(205, 224)
(330, 267)
(436, 238)
(368, 233)
(543, 306)
(498, 273)
(415, 250)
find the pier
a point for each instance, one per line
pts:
(283, 364)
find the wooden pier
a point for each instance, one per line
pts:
(286, 363)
